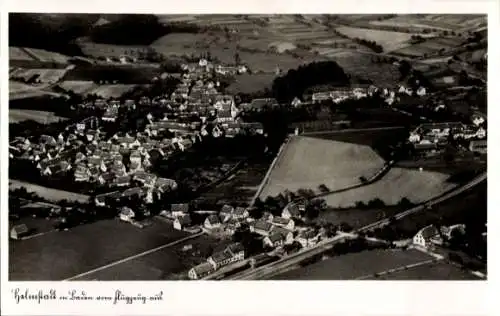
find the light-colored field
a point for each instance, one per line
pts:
(48, 193)
(45, 75)
(79, 87)
(89, 87)
(397, 183)
(440, 22)
(107, 50)
(16, 115)
(307, 162)
(431, 271)
(18, 90)
(46, 56)
(112, 90)
(388, 40)
(282, 47)
(16, 53)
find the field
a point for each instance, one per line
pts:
(45, 75)
(430, 46)
(435, 22)
(17, 53)
(307, 162)
(106, 50)
(356, 265)
(112, 90)
(61, 255)
(48, 193)
(359, 64)
(250, 83)
(38, 116)
(355, 217)
(240, 188)
(18, 90)
(77, 86)
(397, 183)
(431, 271)
(389, 40)
(456, 210)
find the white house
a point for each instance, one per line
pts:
(212, 222)
(182, 222)
(414, 137)
(427, 236)
(126, 214)
(421, 91)
(308, 238)
(200, 271)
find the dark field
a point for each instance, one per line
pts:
(240, 187)
(356, 218)
(433, 271)
(471, 206)
(355, 265)
(61, 255)
(166, 264)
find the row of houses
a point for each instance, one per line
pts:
(232, 253)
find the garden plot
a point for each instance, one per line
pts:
(307, 162)
(417, 186)
(389, 40)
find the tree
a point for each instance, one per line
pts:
(404, 202)
(323, 188)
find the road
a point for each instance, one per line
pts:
(142, 254)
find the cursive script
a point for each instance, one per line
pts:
(36, 296)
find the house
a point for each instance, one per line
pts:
(477, 120)
(212, 222)
(427, 236)
(292, 210)
(179, 209)
(200, 271)
(226, 213)
(105, 178)
(122, 181)
(275, 239)
(240, 213)
(126, 214)
(182, 222)
(286, 233)
(479, 146)
(82, 173)
(261, 228)
(221, 258)
(19, 231)
(421, 91)
(237, 250)
(307, 238)
(448, 232)
(283, 222)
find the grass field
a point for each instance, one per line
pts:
(397, 183)
(84, 248)
(38, 116)
(355, 217)
(250, 83)
(45, 75)
(439, 22)
(431, 271)
(307, 162)
(48, 193)
(107, 50)
(16, 53)
(389, 40)
(428, 47)
(355, 265)
(45, 56)
(78, 87)
(112, 90)
(359, 64)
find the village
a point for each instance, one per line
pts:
(121, 162)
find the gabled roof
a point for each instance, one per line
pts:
(203, 268)
(184, 220)
(179, 207)
(429, 231)
(261, 225)
(213, 219)
(221, 256)
(227, 209)
(235, 248)
(280, 220)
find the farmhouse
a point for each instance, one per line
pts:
(201, 271)
(448, 231)
(261, 228)
(240, 213)
(283, 222)
(212, 222)
(19, 231)
(307, 238)
(182, 222)
(293, 210)
(275, 239)
(427, 236)
(179, 209)
(126, 214)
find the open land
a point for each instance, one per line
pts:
(356, 265)
(389, 40)
(250, 83)
(44, 75)
(356, 217)
(84, 248)
(447, 22)
(429, 46)
(430, 271)
(417, 186)
(38, 116)
(48, 193)
(307, 162)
